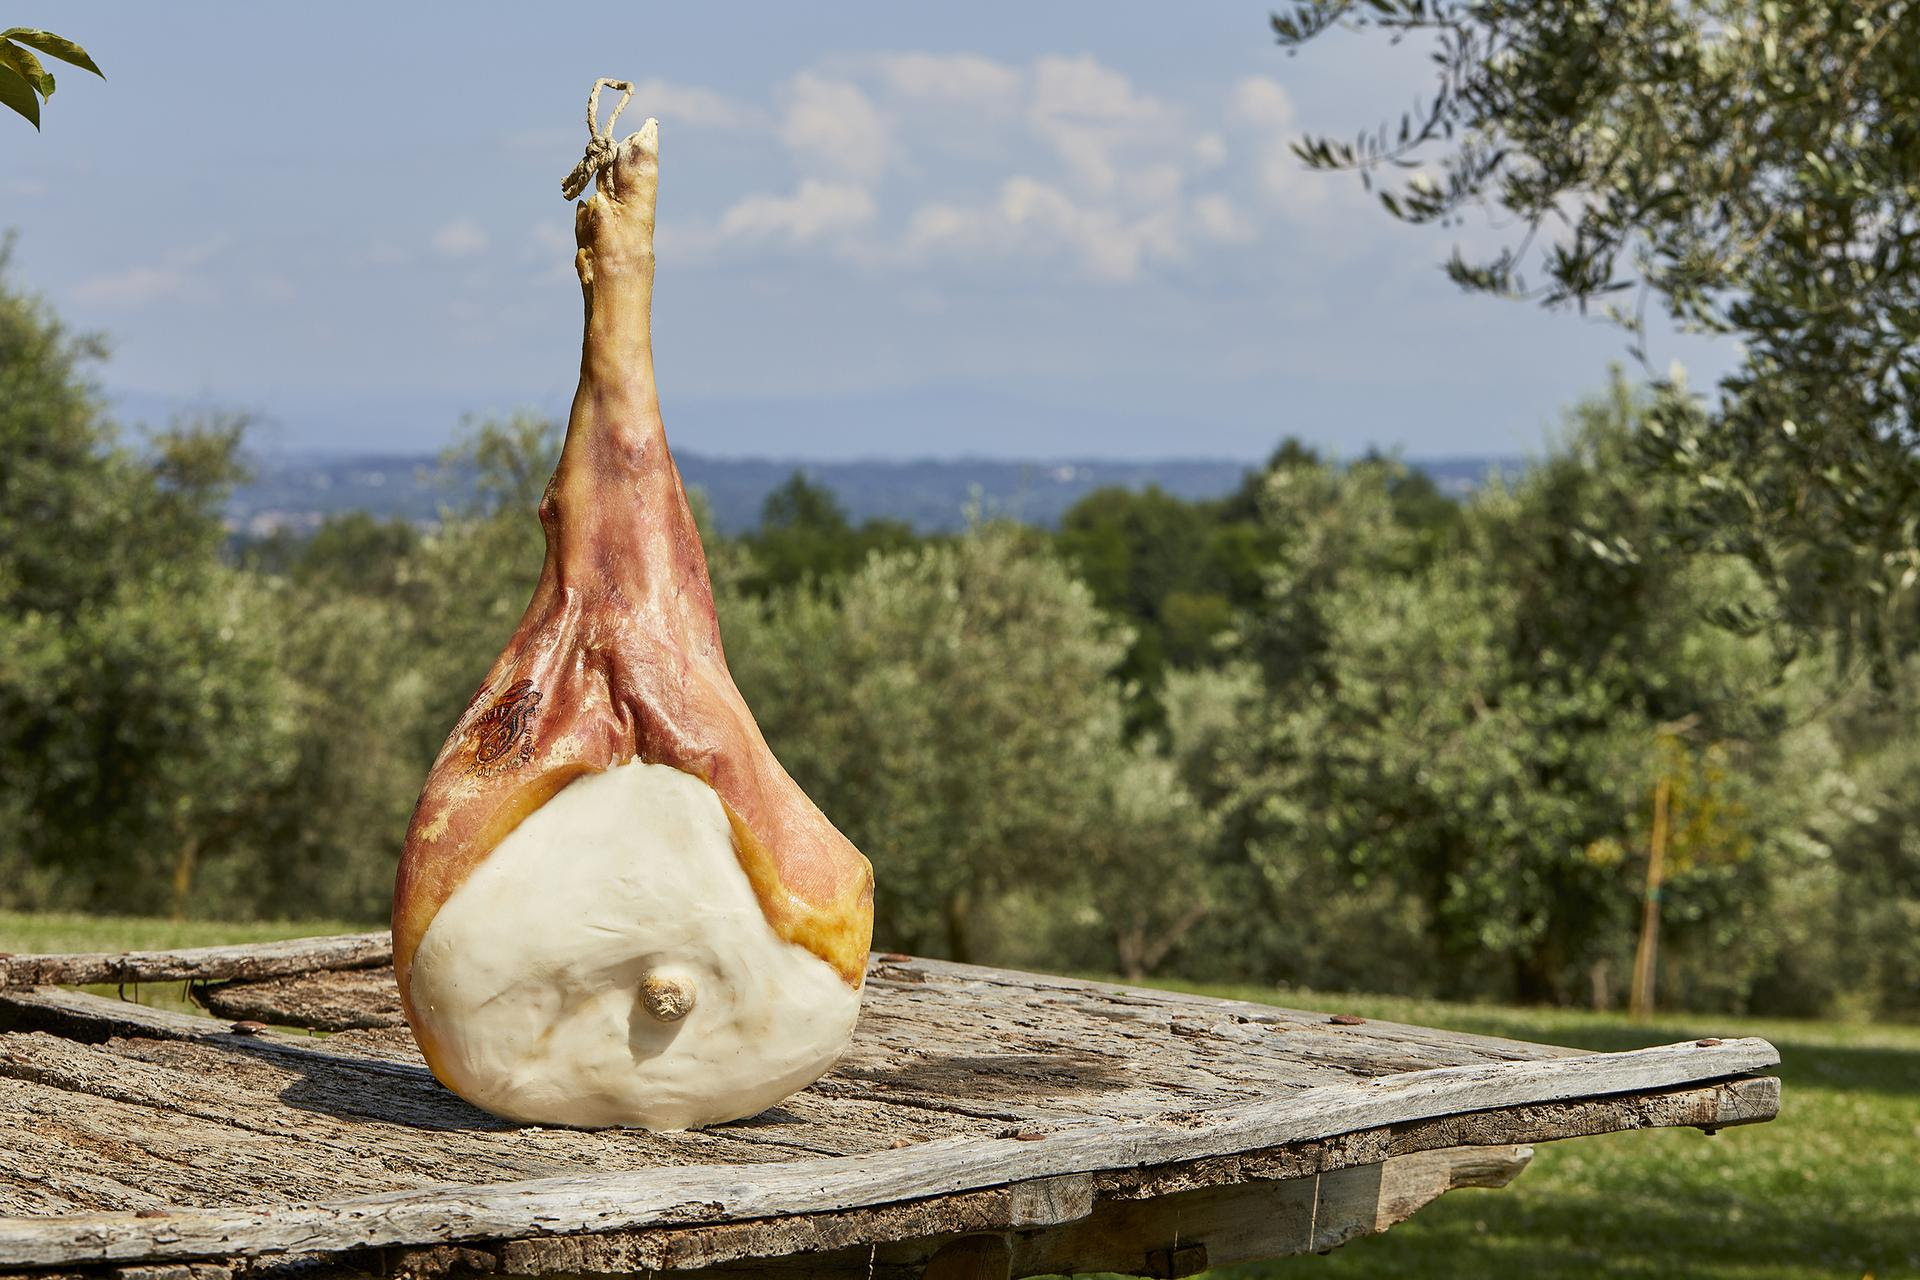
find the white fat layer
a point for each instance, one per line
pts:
(528, 980)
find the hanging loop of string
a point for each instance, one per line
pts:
(601, 147)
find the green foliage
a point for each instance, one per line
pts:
(1753, 168)
(1176, 571)
(1378, 738)
(24, 79)
(361, 703)
(351, 553)
(1183, 575)
(1481, 728)
(805, 537)
(142, 733)
(141, 713)
(509, 460)
(908, 711)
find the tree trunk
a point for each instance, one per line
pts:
(1600, 983)
(185, 862)
(959, 912)
(1646, 955)
(1153, 954)
(1128, 947)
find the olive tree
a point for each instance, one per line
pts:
(950, 708)
(1751, 168)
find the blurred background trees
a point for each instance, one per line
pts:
(1391, 739)
(1749, 168)
(1336, 729)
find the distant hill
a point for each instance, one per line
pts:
(299, 491)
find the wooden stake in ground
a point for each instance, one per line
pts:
(1645, 955)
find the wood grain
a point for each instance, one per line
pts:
(910, 1229)
(208, 964)
(344, 1000)
(690, 1194)
(972, 1099)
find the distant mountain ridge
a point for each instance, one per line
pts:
(298, 491)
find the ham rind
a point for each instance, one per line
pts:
(618, 658)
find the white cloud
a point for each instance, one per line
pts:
(1220, 219)
(1085, 89)
(178, 278)
(1065, 159)
(461, 238)
(815, 211)
(1261, 106)
(691, 104)
(1110, 247)
(957, 79)
(834, 124)
(1036, 218)
(1260, 101)
(136, 287)
(1088, 113)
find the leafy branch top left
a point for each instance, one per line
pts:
(24, 79)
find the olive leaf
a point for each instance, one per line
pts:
(24, 81)
(28, 67)
(18, 94)
(53, 46)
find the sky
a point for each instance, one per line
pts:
(1070, 230)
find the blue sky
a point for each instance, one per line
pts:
(889, 230)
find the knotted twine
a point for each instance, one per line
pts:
(601, 147)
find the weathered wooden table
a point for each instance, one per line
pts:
(985, 1123)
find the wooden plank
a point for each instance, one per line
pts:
(1209, 1011)
(999, 1052)
(943, 1050)
(1174, 1235)
(961, 1061)
(873, 1232)
(1223, 1031)
(276, 1089)
(617, 1201)
(997, 1209)
(1188, 1232)
(137, 1120)
(927, 1062)
(210, 964)
(340, 1000)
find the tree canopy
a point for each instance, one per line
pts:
(1752, 168)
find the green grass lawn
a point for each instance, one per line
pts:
(27, 932)
(1831, 1188)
